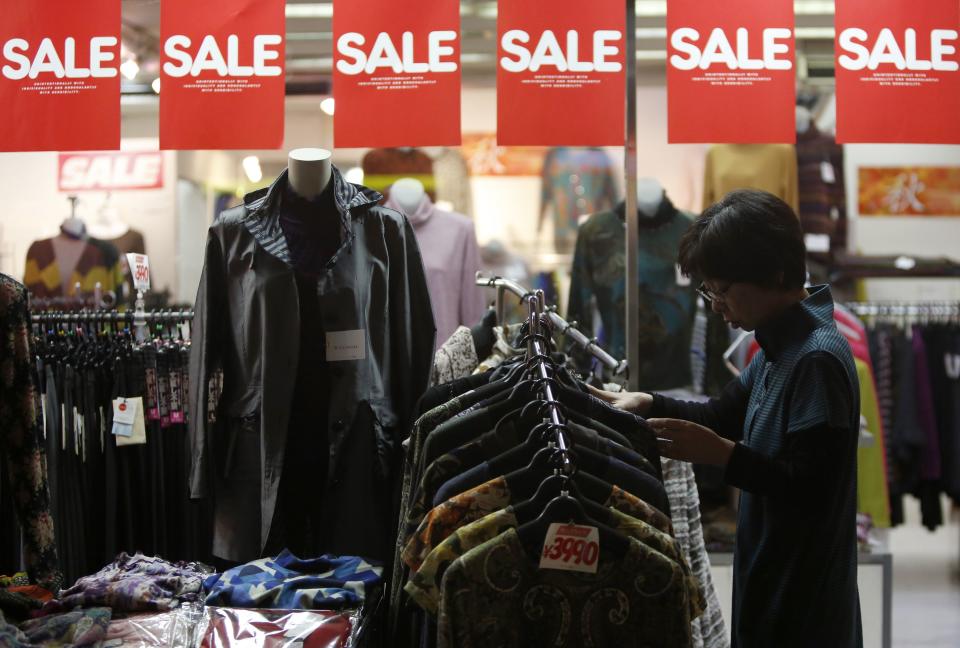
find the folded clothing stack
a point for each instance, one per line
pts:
(291, 583)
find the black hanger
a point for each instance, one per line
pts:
(566, 508)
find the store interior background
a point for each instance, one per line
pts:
(174, 218)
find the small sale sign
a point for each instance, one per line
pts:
(571, 547)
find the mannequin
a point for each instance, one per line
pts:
(649, 196)
(408, 192)
(804, 118)
(451, 256)
(309, 171)
(666, 305)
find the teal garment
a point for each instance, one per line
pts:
(667, 309)
(795, 562)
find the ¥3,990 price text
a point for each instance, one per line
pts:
(572, 549)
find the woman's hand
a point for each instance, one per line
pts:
(635, 402)
(691, 442)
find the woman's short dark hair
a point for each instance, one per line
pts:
(749, 236)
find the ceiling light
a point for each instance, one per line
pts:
(328, 105)
(156, 85)
(129, 69)
(251, 166)
(312, 10)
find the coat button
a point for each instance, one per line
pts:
(338, 425)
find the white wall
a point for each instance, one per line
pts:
(910, 235)
(34, 208)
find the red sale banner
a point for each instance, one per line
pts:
(560, 73)
(396, 77)
(60, 75)
(898, 71)
(110, 171)
(222, 74)
(730, 71)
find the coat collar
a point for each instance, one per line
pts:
(797, 322)
(262, 217)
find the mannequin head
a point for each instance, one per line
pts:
(804, 119)
(408, 193)
(309, 171)
(649, 196)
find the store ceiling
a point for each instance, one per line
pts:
(310, 41)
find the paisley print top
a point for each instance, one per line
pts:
(494, 495)
(496, 595)
(424, 584)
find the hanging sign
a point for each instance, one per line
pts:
(60, 75)
(396, 73)
(110, 171)
(560, 73)
(898, 71)
(222, 74)
(730, 71)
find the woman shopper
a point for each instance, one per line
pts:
(785, 431)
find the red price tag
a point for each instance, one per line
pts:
(571, 547)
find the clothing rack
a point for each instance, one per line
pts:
(537, 353)
(565, 328)
(935, 309)
(100, 299)
(132, 317)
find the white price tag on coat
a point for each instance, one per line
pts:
(571, 547)
(346, 345)
(817, 242)
(827, 172)
(140, 271)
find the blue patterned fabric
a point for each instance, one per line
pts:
(291, 583)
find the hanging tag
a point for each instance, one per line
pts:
(817, 242)
(571, 547)
(139, 270)
(134, 431)
(827, 172)
(124, 411)
(682, 280)
(346, 345)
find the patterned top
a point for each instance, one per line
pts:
(425, 584)
(494, 495)
(134, 583)
(457, 357)
(709, 630)
(99, 262)
(291, 583)
(666, 309)
(494, 595)
(19, 445)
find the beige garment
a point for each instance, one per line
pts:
(453, 181)
(770, 167)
